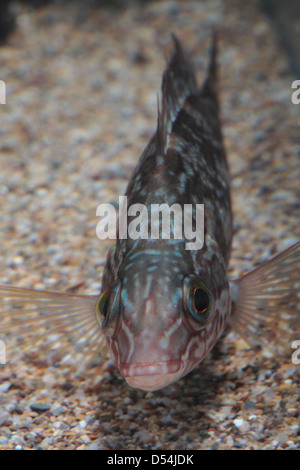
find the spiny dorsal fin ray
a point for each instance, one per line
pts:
(266, 302)
(209, 87)
(178, 84)
(159, 136)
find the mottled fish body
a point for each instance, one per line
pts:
(153, 337)
(163, 307)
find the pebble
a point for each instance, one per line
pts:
(60, 425)
(19, 410)
(241, 424)
(40, 407)
(16, 439)
(4, 417)
(82, 424)
(59, 411)
(85, 439)
(5, 387)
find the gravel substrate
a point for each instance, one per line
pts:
(82, 90)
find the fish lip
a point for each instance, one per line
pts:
(152, 383)
(150, 368)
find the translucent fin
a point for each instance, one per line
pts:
(266, 302)
(59, 324)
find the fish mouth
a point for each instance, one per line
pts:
(152, 383)
(150, 368)
(151, 376)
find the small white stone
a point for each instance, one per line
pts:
(82, 424)
(85, 439)
(241, 424)
(5, 387)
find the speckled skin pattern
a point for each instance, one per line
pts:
(147, 328)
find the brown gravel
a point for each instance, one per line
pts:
(81, 106)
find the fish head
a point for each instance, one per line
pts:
(159, 319)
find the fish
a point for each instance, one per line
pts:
(163, 307)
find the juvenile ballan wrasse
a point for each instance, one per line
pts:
(163, 307)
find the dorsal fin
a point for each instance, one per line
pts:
(210, 84)
(177, 85)
(160, 136)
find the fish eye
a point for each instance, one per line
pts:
(107, 309)
(201, 301)
(102, 308)
(197, 299)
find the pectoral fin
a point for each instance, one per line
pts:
(266, 302)
(46, 320)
